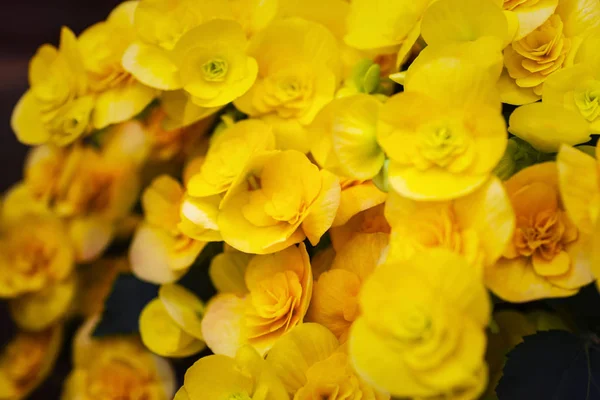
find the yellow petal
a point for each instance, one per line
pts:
(223, 323)
(26, 121)
(182, 394)
(531, 17)
(362, 254)
(323, 211)
(90, 237)
(181, 111)
(452, 21)
(488, 210)
(432, 184)
(578, 179)
(152, 66)
(579, 16)
(184, 308)
(121, 103)
(358, 198)
(516, 281)
(217, 377)
(546, 127)
(152, 259)
(511, 93)
(579, 273)
(38, 311)
(294, 353)
(199, 218)
(227, 271)
(161, 334)
(161, 201)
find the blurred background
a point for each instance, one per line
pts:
(24, 26)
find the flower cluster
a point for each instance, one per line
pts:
(369, 171)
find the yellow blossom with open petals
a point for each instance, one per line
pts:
(344, 137)
(58, 106)
(279, 289)
(227, 156)
(279, 199)
(242, 376)
(444, 134)
(170, 325)
(421, 329)
(296, 78)
(114, 368)
(168, 242)
(335, 294)
(119, 96)
(547, 256)
(193, 46)
(477, 226)
(26, 361)
(311, 364)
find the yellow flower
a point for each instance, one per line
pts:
(311, 364)
(57, 106)
(335, 294)
(187, 45)
(245, 376)
(344, 137)
(279, 199)
(170, 325)
(577, 88)
(119, 96)
(421, 328)
(445, 133)
(531, 60)
(227, 156)
(175, 231)
(90, 189)
(477, 226)
(530, 14)
(116, 368)
(548, 256)
(36, 253)
(296, 78)
(385, 26)
(27, 360)
(279, 288)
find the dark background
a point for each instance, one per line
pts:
(24, 26)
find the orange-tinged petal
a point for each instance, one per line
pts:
(223, 323)
(90, 236)
(227, 271)
(357, 198)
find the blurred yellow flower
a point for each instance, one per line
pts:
(170, 325)
(477, 226)
(116, 368)
(166, 244)
(547, 256)
(343, 137)
(227, 156)
(118, 95)
(334, 303)
(279, 199)
(311, 364)
(57, 107)
(296, 78)
(26, 361)
(242, 376)
(421, 329)
(367, 219)
(444, 134)
(279, 288)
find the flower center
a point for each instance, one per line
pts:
(544, 237)
(442, 145)
(588, 103)
(215, 70)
